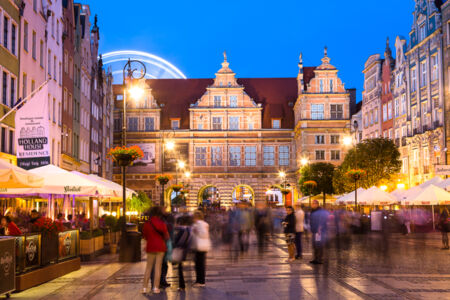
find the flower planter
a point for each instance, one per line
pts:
(123, 160)
(113, 248)
(49, 248)
(87, 246)
(98, 243)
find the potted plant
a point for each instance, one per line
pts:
(49, 238)
(163, 179)
(97, 235)
(124, 156)
(86, 243)
(177, 187)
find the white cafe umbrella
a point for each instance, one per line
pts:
(401, 194)
(375, 196)
(445, 184)
(349, 199)
(12, 176)
(435, 180)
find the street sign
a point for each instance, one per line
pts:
(442, 169)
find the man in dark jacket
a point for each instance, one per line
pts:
(318, 222)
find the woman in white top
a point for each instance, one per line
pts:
(299, 228)
(202, 244)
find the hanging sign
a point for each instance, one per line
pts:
(32, 131)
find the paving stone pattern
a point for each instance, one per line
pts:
(370, 266)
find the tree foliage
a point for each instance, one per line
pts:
(322, 174)
(380, 159)
(140, 202)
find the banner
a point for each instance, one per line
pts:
(147, 163)
(32, 131)
(181, 152)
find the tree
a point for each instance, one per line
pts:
(380, 159)
(322, 174)
(140, 202)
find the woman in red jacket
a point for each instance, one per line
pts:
(155, 233)
(9, 227)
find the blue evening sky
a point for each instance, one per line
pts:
(262, 38)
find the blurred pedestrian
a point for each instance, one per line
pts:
(318, 221)
(202, 244)
(262, 225)
(289, 231)
(8, 227)
(155, 233)
(299, 228)
(182, 243)
(444, 227)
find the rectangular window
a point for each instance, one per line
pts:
(423, 73)
(24, 85)
(25, 36)
(217, 123)
(320, 139)
(5, 32)
(49, 63)
(54, 110)
(276, 123)
(12, 91)
(4, 139)
(54, 68)
(331, 85)
(405, 165)
(59, 114)
(5, 88)
(132, 124)
(269, 155)
(335, 155)
(33, 85)
(216, 156)
(250, 155)
(13, 38)
(33, 46)
(235, 156)
(413, 79)
(283, 155)
(35, 5)
(321, 86)
(175, 124)
(334, 139)
(396, 107)
(41, 53)
(384, 112)
(118, 124)
(217, 101)
(57, 31)
(200, 156)
(403, 107)
(233, 101)
(320, 154)
(199, 126)
(149, 124)
(317, 111)
(336, 111)
(422, 31)
(234, 123)
(389, 108)
(11, 142)
(434, 67)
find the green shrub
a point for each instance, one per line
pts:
(97, 232)
(85, 235)
(110, 221)
(120, 223)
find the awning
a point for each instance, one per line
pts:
(14, 177)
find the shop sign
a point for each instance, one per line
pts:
(67, 244)
(442, 169)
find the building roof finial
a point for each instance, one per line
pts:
(325, 51)
(300, 58)
(224, 55)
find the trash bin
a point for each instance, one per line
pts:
(130, 247)
(7, 265)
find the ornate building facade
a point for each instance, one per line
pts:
(235, 136)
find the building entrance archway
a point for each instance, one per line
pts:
(208, 196)
(243, 193)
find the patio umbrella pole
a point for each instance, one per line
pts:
(432, 214)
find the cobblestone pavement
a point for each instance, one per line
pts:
(366, 267)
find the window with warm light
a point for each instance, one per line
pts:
(283, 155)
(250, 156)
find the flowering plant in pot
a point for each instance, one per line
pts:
(47, 226)
(356, 174)
(49, 238)
(124, 156)
(163, 179)
(177, 187)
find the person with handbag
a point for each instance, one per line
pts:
(155, 233)
(202, 244)
(318, 222)
(182, 243)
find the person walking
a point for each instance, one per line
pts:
(318, 222)
(182, 243)
(444, 226)
(202, 244)
(299, 227)
(155, 233)
(289, 231)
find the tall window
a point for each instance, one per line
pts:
(235, 156)
(320, 154)
(4, 139)
(35, 5)
(276, 123)
(33, 46)
(317, 111)
(13, 91)
(413, 79)
(149, 124)
(216, 156)
(54, 110)
(321, 86)
(320, 139)
(200, 156)
(434, 67)
(11, 142)
(384, 112)
(283, 155)
(49, 63)
(422, 31)
(233, 101)
(217, 101)
(5, 88)
(335, 154)
(396, 107)
(336, 111)
(175, 124)
(403, 104)
(24, 85)
(334, 139)
(234, 123)
(269, 155)
(41, 53)
(25, 36)
(331, 85)
(423, 73)
(133, 124)
(5, 31)
(250, 155)
(118, 124)
(217, 123)
(13, 39)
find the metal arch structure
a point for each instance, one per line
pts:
(156, 67)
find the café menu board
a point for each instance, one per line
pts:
(180, 152)
(67, 244)
(7, 265)
(32, 250)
